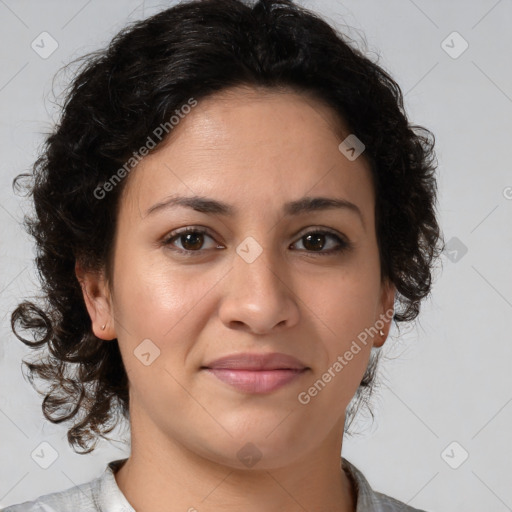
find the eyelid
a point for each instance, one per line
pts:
(321, 229)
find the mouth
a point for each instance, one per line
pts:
(256, 372)
(256, 381)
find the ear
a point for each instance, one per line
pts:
(98, 302)
(383, 322)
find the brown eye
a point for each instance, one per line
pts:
(314, 242)
(190, 239)
(317, 241)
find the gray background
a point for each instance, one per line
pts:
(448, 378)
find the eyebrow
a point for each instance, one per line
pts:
(297, 207)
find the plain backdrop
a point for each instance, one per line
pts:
(441, 439)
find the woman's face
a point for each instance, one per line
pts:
(253, 282)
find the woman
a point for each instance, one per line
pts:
(229, 215)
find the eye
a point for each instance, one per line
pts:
(191, 240)
(315, 242)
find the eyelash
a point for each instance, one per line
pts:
(343, 245)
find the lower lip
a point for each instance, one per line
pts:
(256, 381)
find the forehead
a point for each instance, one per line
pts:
(253, 146)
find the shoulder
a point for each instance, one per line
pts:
(369, 500)
(389, 504)
(80, 497)
(87, 497)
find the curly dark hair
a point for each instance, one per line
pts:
(121, 93)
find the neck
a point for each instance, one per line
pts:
(161, 474)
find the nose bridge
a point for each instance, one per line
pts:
(257, 294)
(257, 269)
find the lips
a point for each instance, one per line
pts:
(256, 373)
(254, 361)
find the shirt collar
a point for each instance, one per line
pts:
(111, 498)
(367, 499)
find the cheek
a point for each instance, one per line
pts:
(345, 302)
(153, 296)
(344, 310)
(168, 306)
(160, 316)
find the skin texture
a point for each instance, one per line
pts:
(256, 150)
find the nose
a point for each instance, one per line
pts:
(259, 296)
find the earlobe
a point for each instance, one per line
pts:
(97, 301)
(383, 323)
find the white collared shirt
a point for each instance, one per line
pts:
(103, 495)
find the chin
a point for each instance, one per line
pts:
(257, 451)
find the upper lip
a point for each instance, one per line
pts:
(253, 361)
